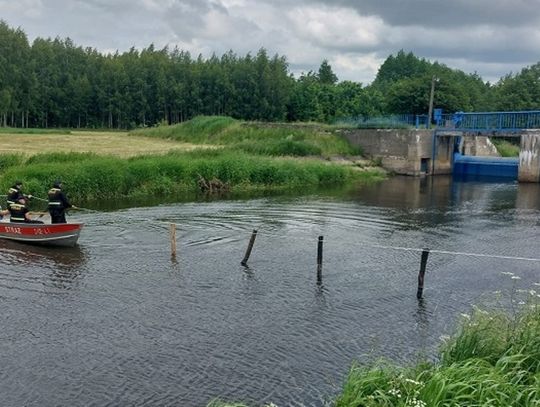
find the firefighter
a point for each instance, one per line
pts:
(19, 212)
(15, 193)
(58, 203)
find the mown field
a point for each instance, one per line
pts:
(173, 160)
(103, 143)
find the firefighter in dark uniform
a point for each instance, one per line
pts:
(19, 212)
(14, 193)
(58, 203)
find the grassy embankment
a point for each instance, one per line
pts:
(493, 360)
(170, 160)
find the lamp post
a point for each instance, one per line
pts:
(431, 94)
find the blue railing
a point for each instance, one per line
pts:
(473, 121)
(497, 121)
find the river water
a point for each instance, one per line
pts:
(116, 322)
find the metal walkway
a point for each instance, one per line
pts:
(507, 122)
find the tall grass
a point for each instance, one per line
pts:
(89, 177)
(257, 138)
(494, 360)
(10, 160)
(201, 129)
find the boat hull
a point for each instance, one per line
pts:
(57, 234)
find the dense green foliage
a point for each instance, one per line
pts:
(256, 138)
(494, 360)
(89, 177)
(54, 83)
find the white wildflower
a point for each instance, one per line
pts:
(395, 392)
(414, 402)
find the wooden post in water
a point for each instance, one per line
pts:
(319, 259)
(172, 234)
(250, 246)
(423, 262)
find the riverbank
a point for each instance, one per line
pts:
(493, 360)
(213, 155)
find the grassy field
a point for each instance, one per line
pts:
(206, 154)
(104, 143)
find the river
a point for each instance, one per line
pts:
(116, 322)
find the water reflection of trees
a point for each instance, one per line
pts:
(439, 200)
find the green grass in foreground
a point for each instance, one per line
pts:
(506, 148)
(87, 176)
(256, 138)
(494, 360)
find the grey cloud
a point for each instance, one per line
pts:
(442, 13)
(491, 37)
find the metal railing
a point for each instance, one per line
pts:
(470, 121)
(497, 121)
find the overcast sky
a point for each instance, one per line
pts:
(490, 37)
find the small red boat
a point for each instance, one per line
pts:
(56, 234)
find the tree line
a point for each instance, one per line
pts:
(55, 83)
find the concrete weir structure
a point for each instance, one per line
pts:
(405, 151)
(431, 152)
(529, 156)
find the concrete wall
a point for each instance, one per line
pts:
(529, 157)
(403, 150)
(478, 145)
(410, 151)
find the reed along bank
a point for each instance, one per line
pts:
(233, 156)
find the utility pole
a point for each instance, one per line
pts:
(431, 94)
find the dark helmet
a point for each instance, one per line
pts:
(18, 183)
(57, 183)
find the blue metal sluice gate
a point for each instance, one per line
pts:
(500, 167)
